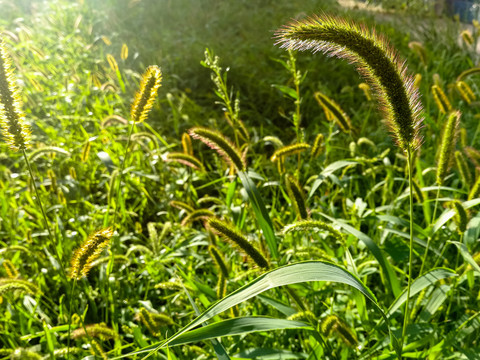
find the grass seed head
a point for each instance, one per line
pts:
(375, 60)
(99, 331)
(463, 169)
(318, 146)
(465, 91)
(185, 159)
(218, 259)
(217, 141)
(145, 97)
(229, 233)
(297, 196)
(12, 119)
(340, 117)
(88, 252)
(441, 99)
(289, 150)
(447, 146)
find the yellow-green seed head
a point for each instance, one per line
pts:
(330, 106)
(12, 119)
(145, 97)
(447, 146)
(88, 252)
(441, 99)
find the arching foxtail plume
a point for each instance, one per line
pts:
(374, 59)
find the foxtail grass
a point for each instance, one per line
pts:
(297, 196)
(88, 252)
(385, 73)
(467, 73)
(463, 168)
(465, 92)
(231, 234)
(447, 146)
(441, 99)
(374, 59)
(185, 159)
(289, 150)
(318, 146)
(217, 141)
(340, 117)
(16, 131)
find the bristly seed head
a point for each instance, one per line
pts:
(12, 119)
(375, 60)
(88, 252)
(145, 97)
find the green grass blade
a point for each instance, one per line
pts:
(376, 252)
(330, 169)
(285, 275)
(217, 346)
(466, 255)
(261, 213)
(448, 214)
(269, 354)
(419, 284)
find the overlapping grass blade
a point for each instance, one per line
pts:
(376, 252)
(419, 284)
(286, 275)
(231, 327)
(261, 213)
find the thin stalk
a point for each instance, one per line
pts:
(120, 176)
(40, 205)
(454, 285)
(405, 319)
(70, 318)
(430, 237)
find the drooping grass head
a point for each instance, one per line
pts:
(374, 59)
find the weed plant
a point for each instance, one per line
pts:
(244, 216)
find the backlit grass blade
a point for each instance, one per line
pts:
(231, 327)
(330, 169)
(376, 252)
(217, 346)
(419, 284)
(285, 275)
(261, 213)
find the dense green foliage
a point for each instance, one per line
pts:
(244, 189)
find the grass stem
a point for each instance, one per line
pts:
(410, 262)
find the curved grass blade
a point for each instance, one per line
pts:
(448, 214)
(285, 275)
(271, 354)
(217, 346)
(231, 327)
(419, 284)
(261, 213)
(466, 255)
(329, 170)
(376, 252)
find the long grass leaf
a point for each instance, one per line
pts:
(261, 213)
(419, 284)
(376, 252)
(286, 275)
(466, 255)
